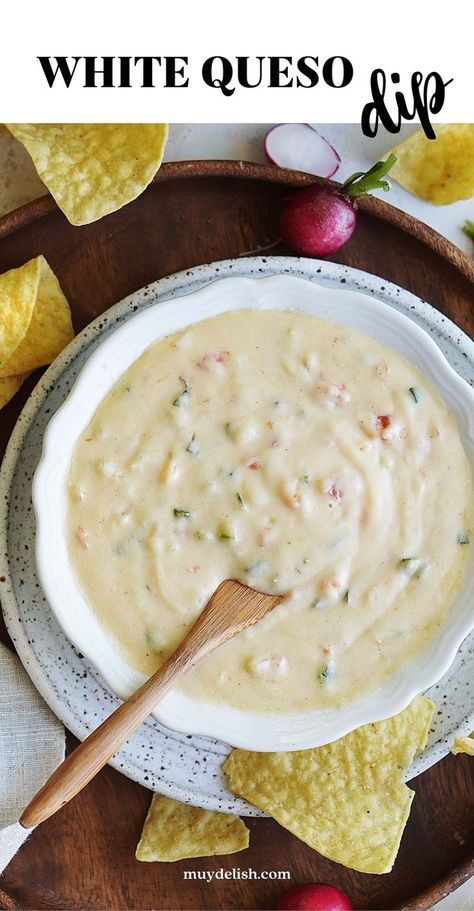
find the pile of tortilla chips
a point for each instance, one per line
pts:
(347, 800)
(35, 323)
(438, 170)
(93, 169)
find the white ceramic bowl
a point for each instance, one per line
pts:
(249, 730)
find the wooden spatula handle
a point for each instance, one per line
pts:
(93, 753)
(231, 609)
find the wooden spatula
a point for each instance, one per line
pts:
(231, 609)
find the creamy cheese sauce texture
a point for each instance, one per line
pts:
(298, 456)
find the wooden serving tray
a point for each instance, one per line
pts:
(192, 213)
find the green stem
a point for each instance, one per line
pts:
(468, 228)
(361, 183)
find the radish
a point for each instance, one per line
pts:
(314, 897)
(298, 146)
(318, 219)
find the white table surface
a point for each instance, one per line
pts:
(19, 183)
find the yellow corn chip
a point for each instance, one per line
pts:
(18, 292)
(173, 831)
(347, 800)
(463, 745)
(439, 170)
(35, 321)
(9, 386)
(93, 169)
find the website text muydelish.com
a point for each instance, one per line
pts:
(235, 873)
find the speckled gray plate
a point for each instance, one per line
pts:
(185, 767)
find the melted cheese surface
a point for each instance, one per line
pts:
(294, 454)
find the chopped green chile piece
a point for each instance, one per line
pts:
(326, 672)
(462, 538)
(192, 446)
(317, 603)
(204, 535)
(181, 398)
(239, 498)
(412, 566)
(225, 531)
(255, 568)
(181, 513)
(347, 596)
(153, 642)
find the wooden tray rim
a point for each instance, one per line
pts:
(246, 170)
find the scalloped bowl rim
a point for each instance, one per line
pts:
(245, 729)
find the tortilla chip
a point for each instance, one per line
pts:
(35, 323)
(463, 745)
(18, 293)
(93, 169)
(9, 386)
(35, 320)
(438, 170)
(347, 800)
(173, 831)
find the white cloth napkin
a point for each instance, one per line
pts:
(31, 747)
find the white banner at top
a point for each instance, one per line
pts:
(250, 61)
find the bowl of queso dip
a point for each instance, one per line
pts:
(306, 441)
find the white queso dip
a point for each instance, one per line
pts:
(296, 455)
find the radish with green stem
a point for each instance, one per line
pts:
(318, 220)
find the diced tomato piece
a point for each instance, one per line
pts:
(383, 421)
(82, 537)
(214, 357)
